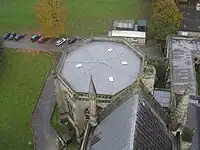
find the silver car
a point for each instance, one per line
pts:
(60, 41)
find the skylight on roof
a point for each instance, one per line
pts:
(78, 65)
(110, 49)
(111, 79)
(124, 62)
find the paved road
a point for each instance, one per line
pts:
(44, 134)
(27, 44)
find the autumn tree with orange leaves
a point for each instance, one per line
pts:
(52, 17)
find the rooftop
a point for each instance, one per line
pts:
(180, 53)
(163, 97)
(191, 18)
(181, 63)
(107, 60)
(116, 131)
(124, 125)
(128, 24)
(120, 33)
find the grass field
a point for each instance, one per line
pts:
(84, 17)
(20, 84)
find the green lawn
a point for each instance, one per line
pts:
(84, 17)
(55, 121)
(20, 84)
(17, 15)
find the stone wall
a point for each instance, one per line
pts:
(148, 77)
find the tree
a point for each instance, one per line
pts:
(165, 18)
(52, 17)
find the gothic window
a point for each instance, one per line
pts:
(87, 113)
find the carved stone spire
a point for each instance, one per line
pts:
(179, 114)
(92, 94)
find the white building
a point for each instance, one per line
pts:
(127, 29)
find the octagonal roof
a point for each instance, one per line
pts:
(112, 62)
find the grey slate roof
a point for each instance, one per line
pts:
(181, 63)
(194, 121)
(116, 130)
(163, 97)
(180, 52)
(127, 126)
(104, 60)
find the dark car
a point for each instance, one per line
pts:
(6, 35)
(72, 40)
(19, 37)
(43, 39)
(35, 37)
(12, 36)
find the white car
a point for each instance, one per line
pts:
(60, 41)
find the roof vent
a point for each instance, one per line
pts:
(110, 49)
(111, 79)
(78, 65)
(124, 62)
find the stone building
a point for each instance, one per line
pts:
(132, 121)
(101, 81)
(182, 55)
(109, 64)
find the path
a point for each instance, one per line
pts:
(44, 134)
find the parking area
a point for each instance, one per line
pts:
(191, 18)
(26, 43)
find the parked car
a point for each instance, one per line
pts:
(6, 35)
(12, 36)
(43, 39)
(72, 40)
(19, 37)
(35, 37)
(61, 41)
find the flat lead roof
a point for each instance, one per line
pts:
(113, 66)
(183, 73)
